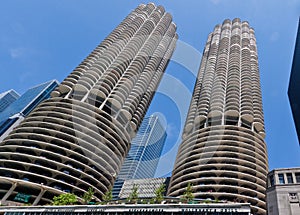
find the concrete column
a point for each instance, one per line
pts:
(276, 178)
(38, 198)
(9, 192)
(294, 177)
(285, 178)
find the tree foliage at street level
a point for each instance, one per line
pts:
(159, 193)
(107, 196)
(87, 196)
(188, 193)
(133, 196)
(65, 199)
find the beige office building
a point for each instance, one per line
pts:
(283, 192)
(223, 153)
(79, 137)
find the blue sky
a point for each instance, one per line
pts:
(43, 40)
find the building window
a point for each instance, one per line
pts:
(271, 210)
(297, 177)
(281, 179)
(289, 178)
(272, 180)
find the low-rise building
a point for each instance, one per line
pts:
(146, 187)
(283, 191)
(136, 209)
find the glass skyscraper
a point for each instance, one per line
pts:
(144, 154)
(78, 138)
(22, 106)
(294, 85)
(223, 153)
(7, 98)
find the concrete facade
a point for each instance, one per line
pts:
(78, 138)
(283, 192)
(223, 153)
(137, 209)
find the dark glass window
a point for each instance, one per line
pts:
(281, 179)
(297, 174)
(289, 177)
(272, 180)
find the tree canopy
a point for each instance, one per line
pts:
(87, 196)
(188, 193)
(107, 196)
(159, 193)
(133, 196)
(65, 199)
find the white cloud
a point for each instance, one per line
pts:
(25, 76)
(274, 36)
(16, 52)
(215, 2)
(18, 28)
(172, 129)
(293, 2)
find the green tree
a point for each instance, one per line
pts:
(133, 196)
(159, 193)
(107, 196)
(188, 193)
(87, 196)
(65, 199)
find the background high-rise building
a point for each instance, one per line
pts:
(145, 151)
(294, 85)
(223, 153)
(16, 111)
(78, 138)
(144, 154)
(283, 192)
(7, 98)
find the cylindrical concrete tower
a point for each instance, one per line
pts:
(223, 153)
(78, 138)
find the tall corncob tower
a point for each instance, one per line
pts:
(78, 138)
(223, 153)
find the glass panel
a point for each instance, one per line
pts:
(289, 178)
(297, 177)
(281, 179)
(272, 180)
